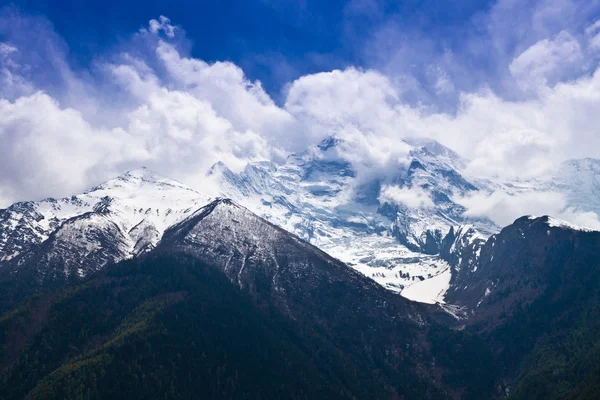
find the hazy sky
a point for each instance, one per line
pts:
(91, 89)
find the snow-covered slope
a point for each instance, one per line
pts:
(113, 221)
(252, 251)
(372, 225)
(413, 248)
(318, 196)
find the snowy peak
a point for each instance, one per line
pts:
(140, 178)
(260, 256)
(323, 159)
(117, 219)
(329, 142)
(218, 168)
(317, 195)
(553, 222)
(437, 151)
(223, 219)
(222, 214)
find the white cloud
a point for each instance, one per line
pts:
(330, 101)
(179, 124)
(413, 197)
(593, 34)
(223, 84)
(443, 83)
(158, 106)
(515, 152)
(46, 149)
(593, 28)
(163, 24)
(12, 85)
(504, 208)
(6, 48)
(547, 60)
(587, 219)
(594, 42)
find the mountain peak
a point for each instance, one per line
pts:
(142, 173)
(557, 223)
(329, 142)
(216, 168)
(435, 149)
(138, 178)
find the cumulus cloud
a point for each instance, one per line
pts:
(503, 208)
(414, 197)
(331, 101)
(45, 147)
(547, 60)
(501, 138)
(163, 24)
(178, 121)
(150, 103)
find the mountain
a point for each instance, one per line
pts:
(373, 225)
(60, 240)
(520, 259)
(144, 278)
(226, 294)
(532, 292)
(229, 305)
(318, 195)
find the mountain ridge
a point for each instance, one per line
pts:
(316, 194)
(344, 324)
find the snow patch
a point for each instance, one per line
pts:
(429, 291)
(559, 223)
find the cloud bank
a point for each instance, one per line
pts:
(414, 197)
(148, 102)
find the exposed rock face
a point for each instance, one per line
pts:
(268, 261)
(497, 278)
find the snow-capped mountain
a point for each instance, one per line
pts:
(394, 228)
(177, 296)
(318, 196)
(265, 259)
(116, 220)
(416, 248)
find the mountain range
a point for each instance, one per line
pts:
(316, 194)
(335, 284)
(319, 196)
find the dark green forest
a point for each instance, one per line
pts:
(165, 328)
(171, 327)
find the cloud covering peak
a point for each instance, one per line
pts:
(149, 102)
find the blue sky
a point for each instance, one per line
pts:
(423, 44)
(91, 89)
(274, 41)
